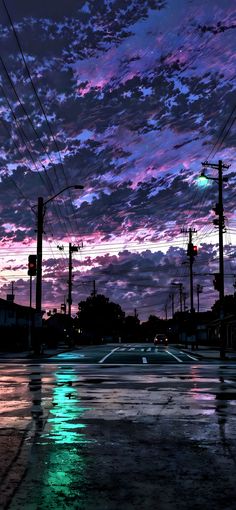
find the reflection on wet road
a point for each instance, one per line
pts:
(80, 434)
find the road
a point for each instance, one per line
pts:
(134, 353)
(111, 434)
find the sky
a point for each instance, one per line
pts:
(126, 98)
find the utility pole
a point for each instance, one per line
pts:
(199, 291)
(180, 285)
(172, 297)
(12, 291)
(184, 300)
(72, 248)
(94, 292)
(191, 253)
(166, 312)
(219, 211)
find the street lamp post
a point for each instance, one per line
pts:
(219, 210)
(40, 219)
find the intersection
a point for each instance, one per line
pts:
(117, 431)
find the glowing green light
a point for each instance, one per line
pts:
(202, 181)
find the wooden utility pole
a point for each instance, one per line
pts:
(219, 211)
(199, 291)
(72, 248)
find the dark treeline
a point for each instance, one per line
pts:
(99, 320)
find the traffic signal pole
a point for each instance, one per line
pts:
(30, 316)
(191, 261)
(40, 214)
(199, 291)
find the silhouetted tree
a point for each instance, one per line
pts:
(99, 317)
(131, 328)
(229, 306)
(152, 326)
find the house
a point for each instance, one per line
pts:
(16, 324)
(229, 325)
(12, 314)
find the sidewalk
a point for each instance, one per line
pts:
(30, 355)
(205, 352)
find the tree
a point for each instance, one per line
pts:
(229, 306)
(131, 328)
(99, 317)
(152, 326)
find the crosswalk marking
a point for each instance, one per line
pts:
(192, 357)
(171, 354)
(109, 354)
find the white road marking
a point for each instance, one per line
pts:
(149, 349)
(144, 360)
(109, 354)
(132, 349)
(180, 360)
(195, 359)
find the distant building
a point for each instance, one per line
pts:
(17, 325)
(12, 314)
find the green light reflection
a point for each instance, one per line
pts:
(64, 472)
(66, 411)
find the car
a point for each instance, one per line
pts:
(161, 339)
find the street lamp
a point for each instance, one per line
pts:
(219, 210)
(40, 218)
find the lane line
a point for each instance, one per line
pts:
(109, 354)
(195, 359)
(180, 360)
(144, 360)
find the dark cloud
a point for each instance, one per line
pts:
(137, 94)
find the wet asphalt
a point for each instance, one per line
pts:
(75, 435)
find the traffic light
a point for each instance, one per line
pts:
(216, 209)
(216, 281)
(192, 250)
(32, 265)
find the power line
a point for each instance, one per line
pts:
(41, 106)
(221, 133)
